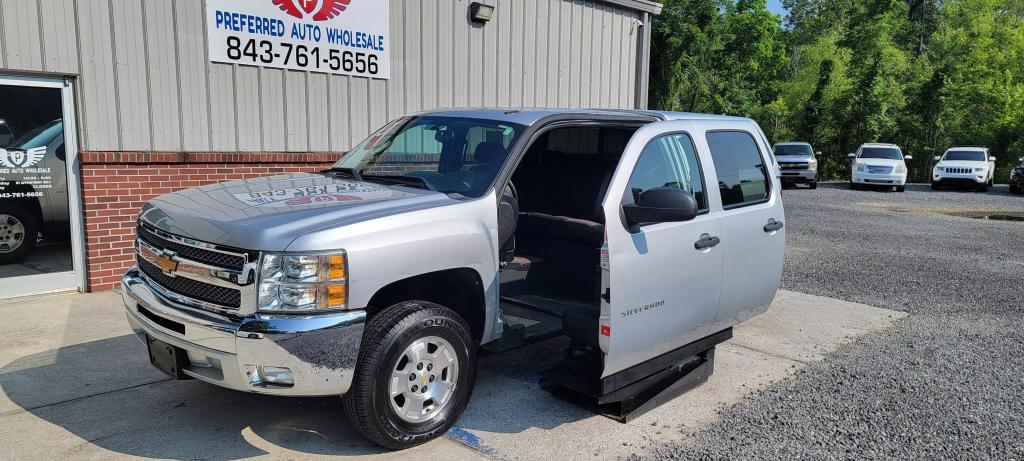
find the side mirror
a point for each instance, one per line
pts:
(1020, 159)
(817, 154)
(937, 158)
(851, 155)
(908, 157)
(661, 204)
(991, 159)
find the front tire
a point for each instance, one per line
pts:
(813, 185)
(901, 188)
(18, 233)
(414, 376)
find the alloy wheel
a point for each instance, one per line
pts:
(423, 379)
(12, 233)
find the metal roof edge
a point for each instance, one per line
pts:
(645, 6)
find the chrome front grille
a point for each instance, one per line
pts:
(792, 166)
(221, 296)
(201, 255)
(879, 169)
(196, 274)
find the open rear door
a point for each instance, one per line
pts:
(661, 281)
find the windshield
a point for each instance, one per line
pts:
(890, 153)
(450, 154)
(965, 155)
(793, 149)
(39, 136)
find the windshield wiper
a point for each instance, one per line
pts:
(354, 173)
(404, 180)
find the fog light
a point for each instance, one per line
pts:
(272, 376)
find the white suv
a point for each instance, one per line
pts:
(967, 166)
(877, 164)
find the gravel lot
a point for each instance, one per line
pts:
(947, 382)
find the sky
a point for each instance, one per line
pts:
(775, 6)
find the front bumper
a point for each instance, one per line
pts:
(320, 351)
(890, 179)
(801, 176)
(1017, 181)
(956, 178)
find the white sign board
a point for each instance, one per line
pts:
(348, 37)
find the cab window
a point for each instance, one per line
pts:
(742, 176)
(669, 161)
(452, 155)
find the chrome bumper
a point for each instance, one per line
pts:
(890, 179)
(319, 350)
(799, 175)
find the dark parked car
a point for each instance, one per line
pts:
(1017, 178)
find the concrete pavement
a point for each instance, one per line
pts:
(75, 383)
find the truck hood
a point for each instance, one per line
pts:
(269, 213)
(961, 164)
(879, 162)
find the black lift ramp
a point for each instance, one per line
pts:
(638, 389)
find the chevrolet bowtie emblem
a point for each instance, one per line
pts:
(167, 263)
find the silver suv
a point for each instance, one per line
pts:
(642, 236)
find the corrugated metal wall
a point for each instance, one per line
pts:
(145, 83)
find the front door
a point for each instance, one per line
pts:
(663, 291)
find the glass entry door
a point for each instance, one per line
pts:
(40, 220)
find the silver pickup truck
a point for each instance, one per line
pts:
(641, 236)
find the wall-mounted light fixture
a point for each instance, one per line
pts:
(481, 12)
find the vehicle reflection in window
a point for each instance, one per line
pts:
(38, 137)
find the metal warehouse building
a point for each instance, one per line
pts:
(107, 103)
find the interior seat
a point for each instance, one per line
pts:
(489, 157)
(584, 231)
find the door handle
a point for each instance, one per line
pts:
(773, 225)
(706, 241)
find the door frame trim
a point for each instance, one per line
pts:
(73, 164)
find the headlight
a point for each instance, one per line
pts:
(978, 170)
(862, 167)
(303, 283)
(939, 169)
(812, 163)
(900, 169)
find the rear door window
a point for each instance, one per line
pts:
(742, 174)
(669, 161)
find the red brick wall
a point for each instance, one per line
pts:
(116, 184)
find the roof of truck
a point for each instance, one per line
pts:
(531, 116)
